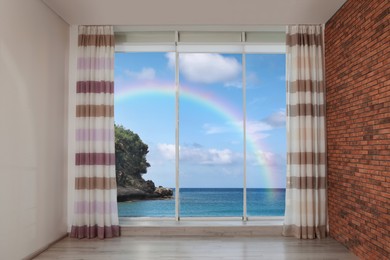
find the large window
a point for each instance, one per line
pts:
(214, 125)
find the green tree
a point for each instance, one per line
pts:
(130, 153)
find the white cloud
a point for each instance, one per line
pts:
(257, 126)
(224, 156)
(197, 145)
(207, 68)
(214, 129)
(200, 155)
(260, 158)
(144, 74)
(266, 158)
(277, 119)
(256, 130)
(233, 84)
(171, 56)
(167, 151)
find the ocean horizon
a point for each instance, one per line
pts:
(210, 202)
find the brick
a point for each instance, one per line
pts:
(358, 126)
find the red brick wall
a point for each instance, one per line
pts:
(357, 56)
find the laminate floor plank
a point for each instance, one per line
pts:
(183, 248)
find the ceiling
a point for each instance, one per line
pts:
(194, 12)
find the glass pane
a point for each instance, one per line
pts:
(266, 134)
(211, 136)
(145, 105)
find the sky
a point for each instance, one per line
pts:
(211, 136)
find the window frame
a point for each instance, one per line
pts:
(269, 43)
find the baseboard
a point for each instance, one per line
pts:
(43, 249)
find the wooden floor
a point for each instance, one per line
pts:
(183, 248)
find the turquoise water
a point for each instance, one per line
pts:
(210, 202)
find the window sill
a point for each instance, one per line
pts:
(199, 221)
(221, 227)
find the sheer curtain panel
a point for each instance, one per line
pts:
(95, 210)
(306, 198)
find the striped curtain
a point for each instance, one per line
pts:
(95, 211)
(306, 198)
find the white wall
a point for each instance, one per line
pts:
(33, 83)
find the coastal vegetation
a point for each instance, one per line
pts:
(131, 165)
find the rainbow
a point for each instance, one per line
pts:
(215, 104)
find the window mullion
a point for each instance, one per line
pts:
(244, 215)
(177, 151)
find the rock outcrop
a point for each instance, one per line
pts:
(144, 191)
(164, 192)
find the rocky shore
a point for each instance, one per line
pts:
(132, 193)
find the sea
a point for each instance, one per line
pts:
(210, 202)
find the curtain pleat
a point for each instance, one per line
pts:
(95, 209)
(306, 191)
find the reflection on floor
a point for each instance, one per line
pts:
(229, 248)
